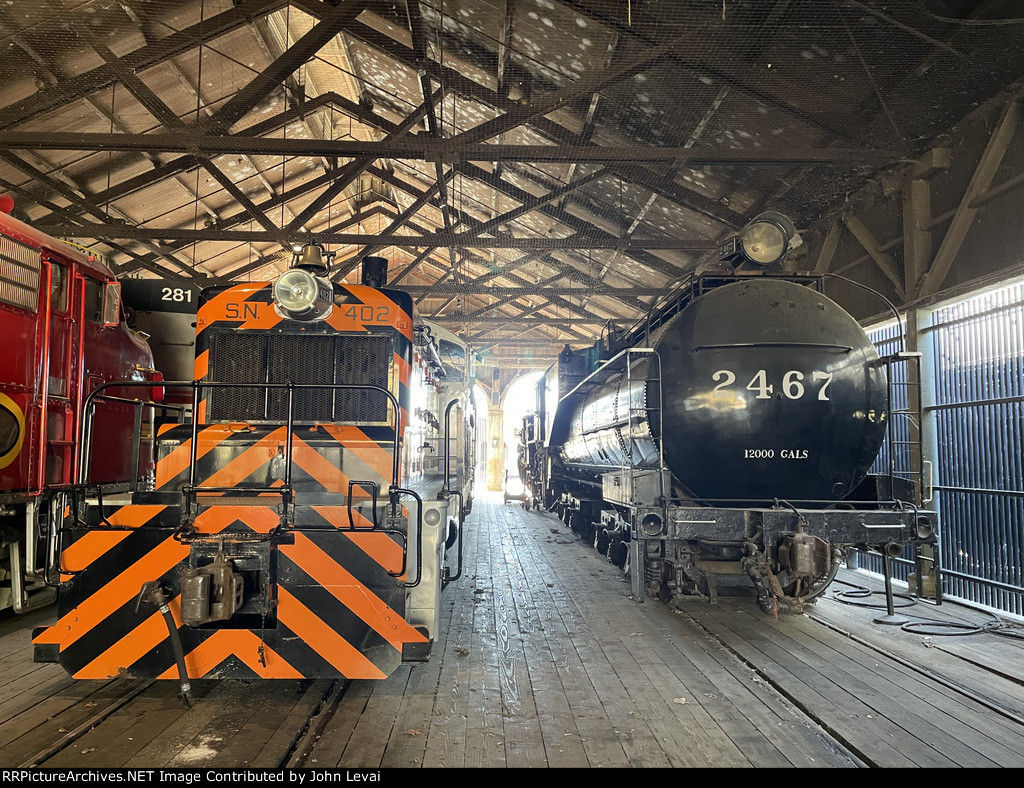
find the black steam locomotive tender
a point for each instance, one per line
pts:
(731, 435)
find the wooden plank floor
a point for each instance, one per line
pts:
(545, 660)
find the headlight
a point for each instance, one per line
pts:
(652, 525)
(763, 242)
(299, 295)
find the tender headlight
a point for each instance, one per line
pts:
(763, 242)
(652, 525)
(299, 295)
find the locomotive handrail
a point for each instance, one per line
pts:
(462, 502)
(447, 442)
(608, 367)
(85, 427)
(819, 345)
(694, 286)
(373, 485)
(629, 423)
(84, 444)
(286, 490)
(616, 363)
(394, 492)
(814, 505)
(445, 489)
(291, 387)
(888, 303)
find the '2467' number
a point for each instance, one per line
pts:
(792, 383)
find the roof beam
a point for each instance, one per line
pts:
(75, 88)
(963, 217)
(633, 34)
(84, 202)
(160, 111)
(443, 150)
(564, 217)
(521, 114)
(533, 322)
(419, 43)
(527, 207)
(475, 288)
(436, 239)
(333, 20)
(882, 259)
(355, 168)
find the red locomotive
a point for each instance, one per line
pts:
(64, 334)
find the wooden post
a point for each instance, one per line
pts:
(495, 448)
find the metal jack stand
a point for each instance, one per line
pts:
(891, 617)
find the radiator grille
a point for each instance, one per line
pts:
(19, 274)
(239, 357)
(362, 360)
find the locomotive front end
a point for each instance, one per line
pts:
(284, 535)
(734, 439)
(776, 393)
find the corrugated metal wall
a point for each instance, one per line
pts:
(889, 339)
(978, 418)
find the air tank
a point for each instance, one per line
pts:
(768, 390)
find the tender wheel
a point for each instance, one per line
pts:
(617, 553)
(809, 593)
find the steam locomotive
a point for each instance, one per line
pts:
(65, 334)
(293, 527)
(729, 436)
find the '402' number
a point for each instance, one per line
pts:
(792, 385)
(365, 313)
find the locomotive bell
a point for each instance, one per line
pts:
(311, 258)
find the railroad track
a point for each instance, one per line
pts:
(957, 699)
(852, 696)
(142, 724)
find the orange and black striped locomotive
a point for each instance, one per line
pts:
(284, 534)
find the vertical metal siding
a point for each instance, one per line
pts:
(978, 418)
(888, 339)
(979, 422)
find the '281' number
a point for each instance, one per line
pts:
(176, 294)
(792, 383)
